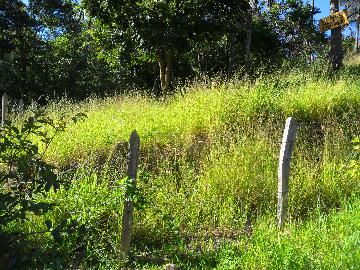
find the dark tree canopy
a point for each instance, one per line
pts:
(167, 28)
(52, 48)
(15, 25)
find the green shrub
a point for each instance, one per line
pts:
(24, 175)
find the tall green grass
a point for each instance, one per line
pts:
(208, 172)
(205, 107)
(328, 242)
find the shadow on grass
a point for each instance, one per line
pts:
(185, 251)
(18, 252)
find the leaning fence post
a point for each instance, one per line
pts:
(287, 146)
(4, 109)
(128, 203)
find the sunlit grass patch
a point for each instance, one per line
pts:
(201, 110)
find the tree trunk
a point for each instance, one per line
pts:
(232, 43)
(270, 4)
(357, 37)
(248, 46)
(308, 45)
(336, 54)
(249, 22)
(311, 58)
(313, 10)
(168, 58)
(156, 89)
(165, 60)
(162, 66)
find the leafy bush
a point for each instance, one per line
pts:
(24, 175)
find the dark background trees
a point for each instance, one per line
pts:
(56, 48)
(47, 52)
(353, 10)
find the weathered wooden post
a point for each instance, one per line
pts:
(128, 203)
(287, 146)
(170, 267)
(4, 109)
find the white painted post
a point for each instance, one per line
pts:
(21, 106)
(287, 146)
(4, 109)
(170, 267)
(128, 211)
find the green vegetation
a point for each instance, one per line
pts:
(56, 48)
(206, 107)
(208, 85)
(207, 179)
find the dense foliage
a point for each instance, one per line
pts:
(77, 49)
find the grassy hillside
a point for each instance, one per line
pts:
(208, 178)
(204, 108)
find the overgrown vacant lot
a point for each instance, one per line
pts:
(207, 180)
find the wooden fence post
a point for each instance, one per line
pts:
(287, 146)
(4, 109)
(128, 203)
